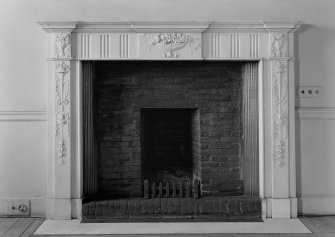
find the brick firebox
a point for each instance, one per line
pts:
(126, 99)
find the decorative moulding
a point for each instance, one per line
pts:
(280, 112)
(62, 126)
(22, 115)
(166, 26)
(63, 45)
(171, 43)
(58, 26)
(238, 40)
(270, 41)
(276, 26)
(279, 47)
(94, 27)
(170, 26)
(315, 113)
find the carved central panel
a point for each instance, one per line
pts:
(172, 43)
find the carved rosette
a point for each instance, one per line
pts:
(62, 127)
(279, 112)
(63, 45)
(279, 45)
(172, 43)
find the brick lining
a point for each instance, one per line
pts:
(213, 88)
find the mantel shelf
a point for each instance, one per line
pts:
(164, 26)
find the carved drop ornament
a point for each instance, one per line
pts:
(63, 45)
(279, 45)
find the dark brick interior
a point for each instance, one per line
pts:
(125, 96)
(167, 145)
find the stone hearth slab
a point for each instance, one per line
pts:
(74, 227)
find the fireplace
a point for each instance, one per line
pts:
(175, 129)
(264, 154)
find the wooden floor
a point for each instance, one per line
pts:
(14, 227)
(320, 226)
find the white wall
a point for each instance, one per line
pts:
(23, 142)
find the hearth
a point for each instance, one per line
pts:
(169, 132)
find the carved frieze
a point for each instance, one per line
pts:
(279, 45)
(172, 43)
(62, 127)
(63, 45)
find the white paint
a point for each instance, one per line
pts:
(317, 204)
(62, 187)
(23, 116)
(23, 159)
(281, 208)
(317, 140)
(315, 161)
(23, 81)
(315, 113)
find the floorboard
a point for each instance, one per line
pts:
(328, 224)
(19, 227)
(33, 227)
(6, 224)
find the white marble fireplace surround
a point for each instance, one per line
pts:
(270, 43)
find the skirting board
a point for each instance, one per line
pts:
(37, 206)
(316, 205)
(74, 227)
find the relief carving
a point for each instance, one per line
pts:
(62, 85)
(61, 152)
(279, 45)
(279, 153)
(275, 125)
(62, 121)
(172, 43)
(62, 127)
(62, 68)
(63, 45)
(280, 67)
(284, 124)
(280, 112)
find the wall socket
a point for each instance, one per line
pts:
(309, 91)
(18, 207)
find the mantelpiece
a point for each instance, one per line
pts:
(270, 43)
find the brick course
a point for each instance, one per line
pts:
(169, 209)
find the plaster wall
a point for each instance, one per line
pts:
(23, 91)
